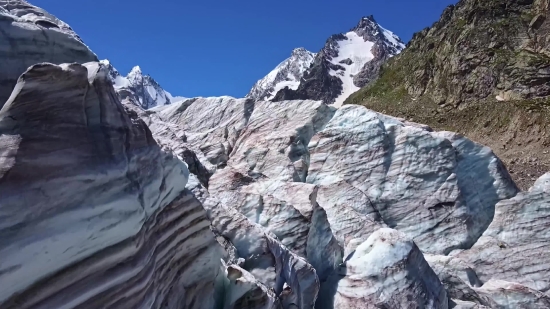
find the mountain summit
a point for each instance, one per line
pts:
(347, 62)
(148, 93)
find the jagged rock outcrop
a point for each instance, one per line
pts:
(515, 246)
(94, 213)
(386, 271)
(347, 62)
(30, 35)
(482, 70)
(288, 73)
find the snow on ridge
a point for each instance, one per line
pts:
(355, 45)
(288, 73)
(359, 52)
(292, 84)
(393, 38)
(148, 92)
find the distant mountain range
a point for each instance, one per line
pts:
(147, 91)
(347, 62)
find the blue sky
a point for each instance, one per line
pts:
(221, 47)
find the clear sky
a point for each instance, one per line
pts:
(222, 47)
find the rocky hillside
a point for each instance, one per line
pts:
(483, 69)
(225, 203)
(347, 62)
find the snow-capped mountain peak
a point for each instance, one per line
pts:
(301, 52)
(353, 53)
(356, 50)
(135, 72)
(347, 62)
(287, 74)
(371, 30)
(148, 93)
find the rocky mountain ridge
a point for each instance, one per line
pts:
(288, 73)
(148, 92)
(347, 62)
(237, 203)
(476, 51)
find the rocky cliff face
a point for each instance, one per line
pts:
(347, 62)
(482, 69)
(238, 203)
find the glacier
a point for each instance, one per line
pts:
(222, 202)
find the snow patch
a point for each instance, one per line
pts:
(121, 82)
(359, 51)
(147, 90)
(392, 38)
(292, 84)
